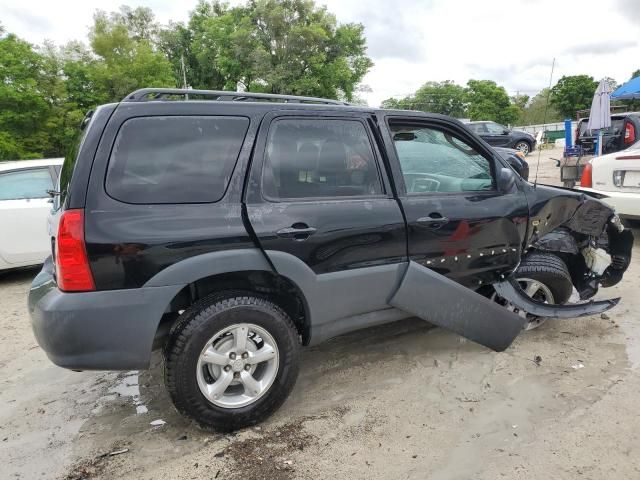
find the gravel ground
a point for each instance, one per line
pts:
(400, 401)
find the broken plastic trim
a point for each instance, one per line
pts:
(511, 291)
(447, 304)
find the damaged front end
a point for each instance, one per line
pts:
(580, 240)
(589, 238)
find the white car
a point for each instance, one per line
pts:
(617, 177)
(24, 210)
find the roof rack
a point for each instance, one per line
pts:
(151, 94)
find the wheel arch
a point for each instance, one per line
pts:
(242, 269)
(525, 140)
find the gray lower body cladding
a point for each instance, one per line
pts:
(105, 330)
(447, 304)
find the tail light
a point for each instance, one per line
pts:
(629, 134)
(72, 265)
(586, 178)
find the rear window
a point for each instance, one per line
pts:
(174, 159)
(617, 124)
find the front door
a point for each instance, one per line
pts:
(459, 224)
(320, 204)
(497, 135)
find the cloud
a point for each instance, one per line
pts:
(26, 18)
(601, 48)
(392, 31)
(630, 9)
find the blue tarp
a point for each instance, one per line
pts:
(628, 91)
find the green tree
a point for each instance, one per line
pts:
(279, 46)
(534, 111)
(275, 46)
(71, 72)
(24, 109)
(446, 98)
(128, 60)
(520, 100)
(573, 93)
(635, 74)
(302, 50)
(188, 44)
(488, 101)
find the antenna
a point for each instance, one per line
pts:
(544, 119)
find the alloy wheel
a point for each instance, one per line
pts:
(237, 365)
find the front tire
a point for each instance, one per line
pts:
(231, 360)
(523, 146)
(543, 277)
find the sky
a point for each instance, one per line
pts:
(512, 42)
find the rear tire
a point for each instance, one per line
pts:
(196, 360)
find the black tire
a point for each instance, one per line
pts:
(196, 326)
(550, 270)
(520, 143)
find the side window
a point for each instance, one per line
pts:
(478, 128)
(311, 158)
(174, 159)
(24, 184)
(436, 161)
(495, 128)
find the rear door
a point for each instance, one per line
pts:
(459, 224)
(24, 208)
(320, 204)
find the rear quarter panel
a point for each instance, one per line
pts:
(603, 168)
(127, 244)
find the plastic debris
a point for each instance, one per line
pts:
(118, 452)
(157, 423)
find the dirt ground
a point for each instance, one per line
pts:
(402, 401)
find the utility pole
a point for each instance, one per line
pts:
(184, 76)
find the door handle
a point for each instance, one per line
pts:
(297, 231)
(434, 220)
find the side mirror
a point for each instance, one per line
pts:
(506, 132)
(506, 180)
(515, 164)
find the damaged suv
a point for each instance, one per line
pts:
(229, 229)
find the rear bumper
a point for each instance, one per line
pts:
(107, 330)
(625, 204)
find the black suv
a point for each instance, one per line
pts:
(500, 136)
(230, 228)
